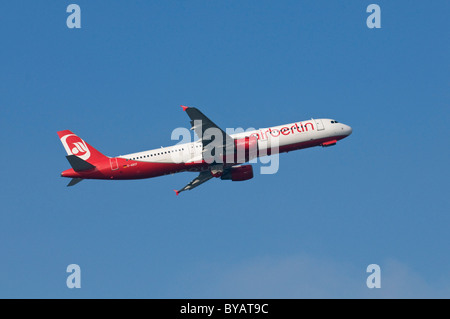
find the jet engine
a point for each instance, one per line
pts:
(238, 173)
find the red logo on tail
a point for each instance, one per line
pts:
(75, 146)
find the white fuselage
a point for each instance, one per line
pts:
(280, 138)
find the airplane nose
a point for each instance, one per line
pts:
(349, 130)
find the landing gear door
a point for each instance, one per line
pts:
(319, 125)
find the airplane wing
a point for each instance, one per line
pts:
(205, 129)
(200, 179)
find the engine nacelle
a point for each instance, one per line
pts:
(245, 149)
(239, 173)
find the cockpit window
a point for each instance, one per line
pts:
(333, 122)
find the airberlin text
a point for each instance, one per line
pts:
(235, 309)
(263, 134)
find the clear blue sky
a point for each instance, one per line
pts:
(380, 196)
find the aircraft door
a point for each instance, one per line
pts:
(113, 163)
(319, 125)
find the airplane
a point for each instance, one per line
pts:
(215, 154)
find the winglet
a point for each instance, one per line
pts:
(184, 107)
(176, 192)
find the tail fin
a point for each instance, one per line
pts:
(76, 146)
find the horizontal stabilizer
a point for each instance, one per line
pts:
(74, 181)
(78, 164)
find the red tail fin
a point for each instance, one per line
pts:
(76, 146)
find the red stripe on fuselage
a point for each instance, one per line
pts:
(129, 169)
